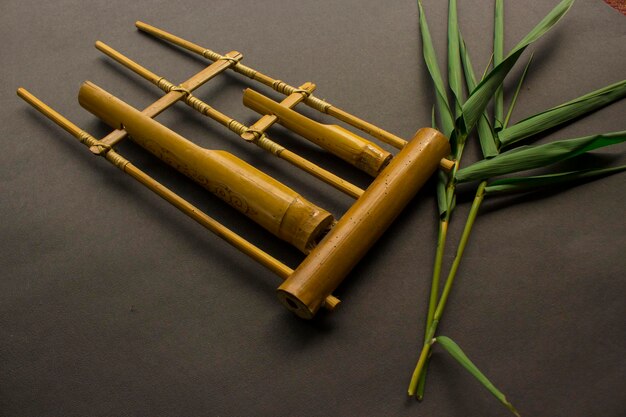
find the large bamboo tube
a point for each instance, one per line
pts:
(327, 265)
(359, 152)
(255, 194)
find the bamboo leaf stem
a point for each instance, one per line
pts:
(445, 294)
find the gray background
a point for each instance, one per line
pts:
(113, 303)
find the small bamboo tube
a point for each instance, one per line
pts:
(254, 133)
(181, 204)
(260, 197)
(353, 149)
(341, 249)
(176, 94)
(279, 86)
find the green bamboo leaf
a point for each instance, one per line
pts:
(487, 67)
(524, 184)
(484, 91)
(498, 56)
(486, 136)
(530, 157)
(517, 90)
(560, 114)
(442, 199)
(454, 60)
(468, 68)
(430, 58)
(455, 351)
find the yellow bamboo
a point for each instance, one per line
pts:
(279, 86)
(266, 201)
(333, 258)
(353, 149)
(184, 206)
(254, 133)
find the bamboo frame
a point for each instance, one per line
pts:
(278, 86)
(254, 134)
(173, 96)
(221, 231)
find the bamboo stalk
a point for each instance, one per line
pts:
(279, 86)
(441, 305)
(254, 133)
(418, 379)
(184, 206)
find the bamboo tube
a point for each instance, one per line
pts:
(353, 149)
(250, 134)
(279, 86)
(333, 258)
(260, 197)
(181, 204)
(174, 95)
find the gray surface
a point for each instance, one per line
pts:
(113, 303)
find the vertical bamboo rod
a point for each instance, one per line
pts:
(279, 86)
(254, 134)
(183, 205)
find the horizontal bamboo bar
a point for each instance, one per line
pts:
(181, 204)
(263, 199)
(358, 229)
(279, 86)
(173, 96)
(254, 133)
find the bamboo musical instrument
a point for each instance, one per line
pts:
(260, 197)
(255, 133)
(332, 248)
(159, 189)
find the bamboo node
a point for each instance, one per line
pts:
(213, 56)
(269, 145)
(164, 85)
(237, 127)
(197, 104)
(282, 87)
(247, 71)
(318, 104)
(117, 159)
(86, 139)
